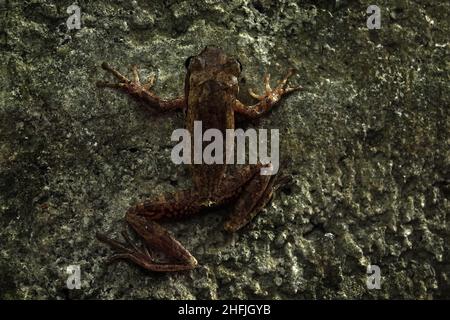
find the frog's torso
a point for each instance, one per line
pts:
(211, 88)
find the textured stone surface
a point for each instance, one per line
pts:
(367, 142)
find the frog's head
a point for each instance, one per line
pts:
(212, 64)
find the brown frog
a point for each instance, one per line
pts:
(211, 87)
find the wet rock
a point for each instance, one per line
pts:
(365, 143)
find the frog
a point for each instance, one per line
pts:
(211, 88)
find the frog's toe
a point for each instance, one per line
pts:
(116, 245)
(292, 89)
(135, 73)
(106, 84)
(267, 83)
(282, 84)
(255, 95)
(123, 252)
(150, 82)
(290, 73)
(115, 73)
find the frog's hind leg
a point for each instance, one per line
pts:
(155, 237)
(255, 196)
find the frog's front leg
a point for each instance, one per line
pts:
(140, 92)
(269, 99)
(155, 237)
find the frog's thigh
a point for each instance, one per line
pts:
(256, 194)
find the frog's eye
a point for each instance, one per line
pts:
(188, 61)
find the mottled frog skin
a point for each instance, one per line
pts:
(210, 96)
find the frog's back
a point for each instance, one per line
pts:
(211, 93)
(213, 109)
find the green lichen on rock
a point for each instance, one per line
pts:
(366, 143)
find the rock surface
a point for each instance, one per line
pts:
(367, 144)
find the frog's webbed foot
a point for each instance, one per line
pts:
(138, 91)
(126, 250)
(255, 196)
(269, 99)
(155, 236)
